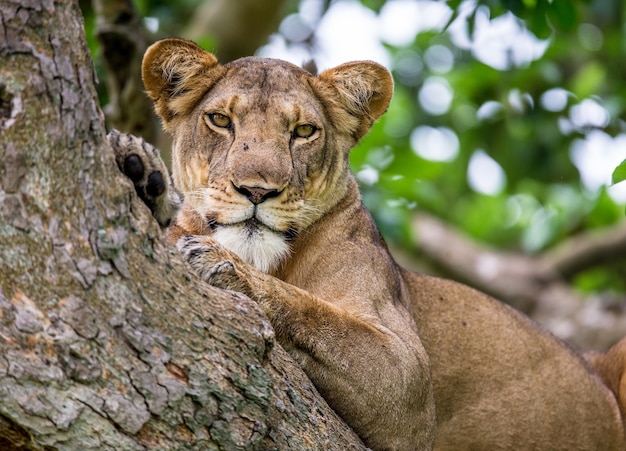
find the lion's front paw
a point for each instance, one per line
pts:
(142, 164)
(214, 264)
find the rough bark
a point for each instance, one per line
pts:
(538, 285)
(106, 339)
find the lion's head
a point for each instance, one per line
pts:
(260, 146)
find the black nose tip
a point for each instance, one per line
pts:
(256, 194)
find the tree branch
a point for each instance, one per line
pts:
(587, 250)
(123, 40)
(533, 285)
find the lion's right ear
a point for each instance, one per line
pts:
(364, 90)
(176, 74)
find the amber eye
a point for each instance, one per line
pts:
(220, 120)
(304, 131)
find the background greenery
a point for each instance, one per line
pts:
(541, 200)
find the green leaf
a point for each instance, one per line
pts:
(537, 21)
(374, 5)
(589, 79)
(454, 4)
(619, 175)
(563, 14)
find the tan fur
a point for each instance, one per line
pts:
(368, 333)
(611, 367)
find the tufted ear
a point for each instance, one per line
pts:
(176, 74)
(365, 89)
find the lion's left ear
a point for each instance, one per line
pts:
(365, 89)
(176, 74)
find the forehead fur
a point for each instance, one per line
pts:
(267, 73)
(263, 80)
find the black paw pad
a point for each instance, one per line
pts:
(133, 168)
(156, 184)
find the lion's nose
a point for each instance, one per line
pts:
(256, 194)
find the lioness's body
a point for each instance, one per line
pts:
(500, 381)
(261, 155)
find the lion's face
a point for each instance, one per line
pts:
(260, 146)
(254, 162)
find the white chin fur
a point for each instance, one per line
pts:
(262, 248)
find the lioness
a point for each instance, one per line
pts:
(411, 362)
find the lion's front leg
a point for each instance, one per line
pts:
(142, 164)
(373, 373)
(214, 264)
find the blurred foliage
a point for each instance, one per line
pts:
(503, 113)
(522, 122)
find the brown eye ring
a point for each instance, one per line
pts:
(220, 120)
(304, 131)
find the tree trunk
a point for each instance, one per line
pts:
(107, 341)
(123, 40)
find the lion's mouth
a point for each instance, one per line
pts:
(252, 227)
